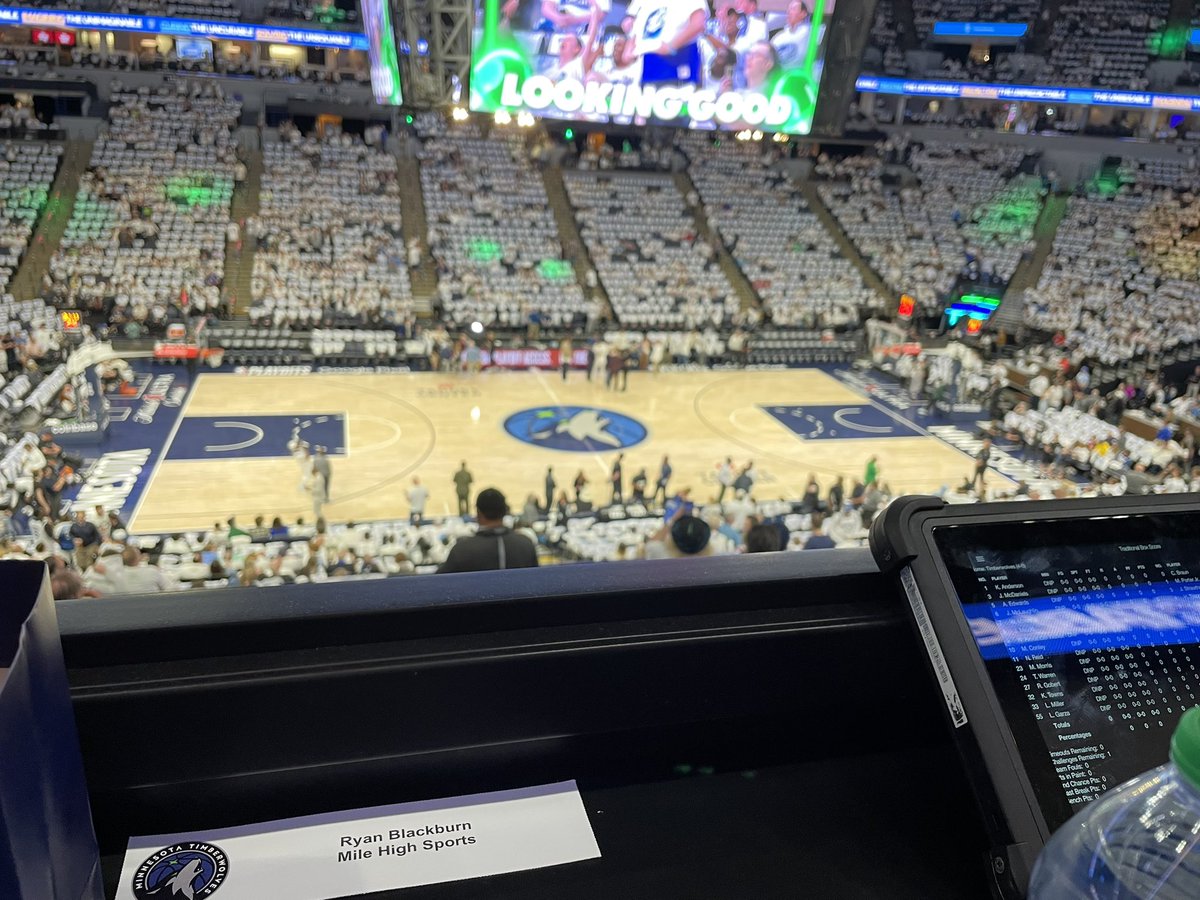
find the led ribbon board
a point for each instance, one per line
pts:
(980, 30)
(232, 31)
(1033, 93)
(650, 61)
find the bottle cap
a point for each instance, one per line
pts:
(1185, 746)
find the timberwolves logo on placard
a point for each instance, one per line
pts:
(187, 871)
(580, 429)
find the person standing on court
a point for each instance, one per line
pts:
(462, 487)
(551, 484)
(664, 476)
(872, 473)
(494, 545)
(418, 494)
(580, 483)
(617, 479)
(612, 367)
(322, 465)
(86, 538)
(837, 495)
(320, 491)
(744, 483)
(724, 477)
(982, 458)
(640, 480)
(564, 360)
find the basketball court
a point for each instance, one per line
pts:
(226, 450)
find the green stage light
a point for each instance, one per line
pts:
(555, 269)
(484, 251)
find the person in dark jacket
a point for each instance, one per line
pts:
(493, 546)
(551, 484)
(86, 538)
(837, 495)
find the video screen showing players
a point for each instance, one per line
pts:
(385, 62)
(729, 64)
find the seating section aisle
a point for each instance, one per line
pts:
(26, 173)
(787, 255)
(969, 208)
(656, 268)
(150, 219)
(1121, 279)
(491, 230)
(329, 240)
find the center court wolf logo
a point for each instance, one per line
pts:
(576, 429)
(187, 871)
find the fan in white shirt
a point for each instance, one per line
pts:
(576, 55)
(791, 41)
(753, 28)
(665, 28)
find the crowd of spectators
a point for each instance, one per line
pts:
(329, 240)
(152, 219)
(967, 211)
(92, 553)
(656, 268)
(1120, 282)
(491, 231)
(780, 245)
(19, 58)
(19, 120)
(330, 13)
(151, 215)
(1075, 430)
(27, 170)
(1105, 44)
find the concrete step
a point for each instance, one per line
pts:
(415, 225)
(903, 12)
(48, 233)
(239, 257)
(1011, 313)
(737, 279)
(1039, 39)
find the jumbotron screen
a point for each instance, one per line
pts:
(381, 52)
(735, 64)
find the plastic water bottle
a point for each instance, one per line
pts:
(1139, 841)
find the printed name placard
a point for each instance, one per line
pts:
(344, 854)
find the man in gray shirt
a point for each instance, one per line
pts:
(321, 466)
(493, 546)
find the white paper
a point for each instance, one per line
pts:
(344, 854)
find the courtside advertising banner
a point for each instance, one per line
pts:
(729, 64)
